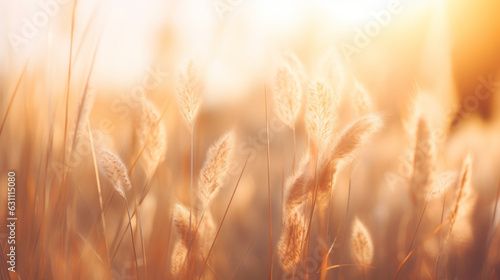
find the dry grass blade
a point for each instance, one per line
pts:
(347, 264)
(233, 275)
(68, 80)
(99, 192)
(13, 96)
(268, 162)
(114, 170)
(465, 195)
(414, 249)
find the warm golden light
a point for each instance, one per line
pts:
(238, 139)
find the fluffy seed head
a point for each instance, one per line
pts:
(361, 244)
(189, 91)
(179, 254)
(423, 160)
(181, 221)
(114, 170)
(348, 144)
(291, 244)
(214, 171)
(287, 95)
(151, 132)
(296, 186)
(320, 118)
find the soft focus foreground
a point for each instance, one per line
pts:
(251, 140)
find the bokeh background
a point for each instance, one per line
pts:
(444, 55)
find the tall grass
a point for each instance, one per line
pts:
(367, 189)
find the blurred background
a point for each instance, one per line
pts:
(448, 51)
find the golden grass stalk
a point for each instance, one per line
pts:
(223, 219)
(361, 245)
(319, 117)
(211, 180)
(268, 162)
(152, 135)
(189, 91)
(99, 192)
(287, 95)
(114, 170)
(215, 168)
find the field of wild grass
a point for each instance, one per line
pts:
(250, 140)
